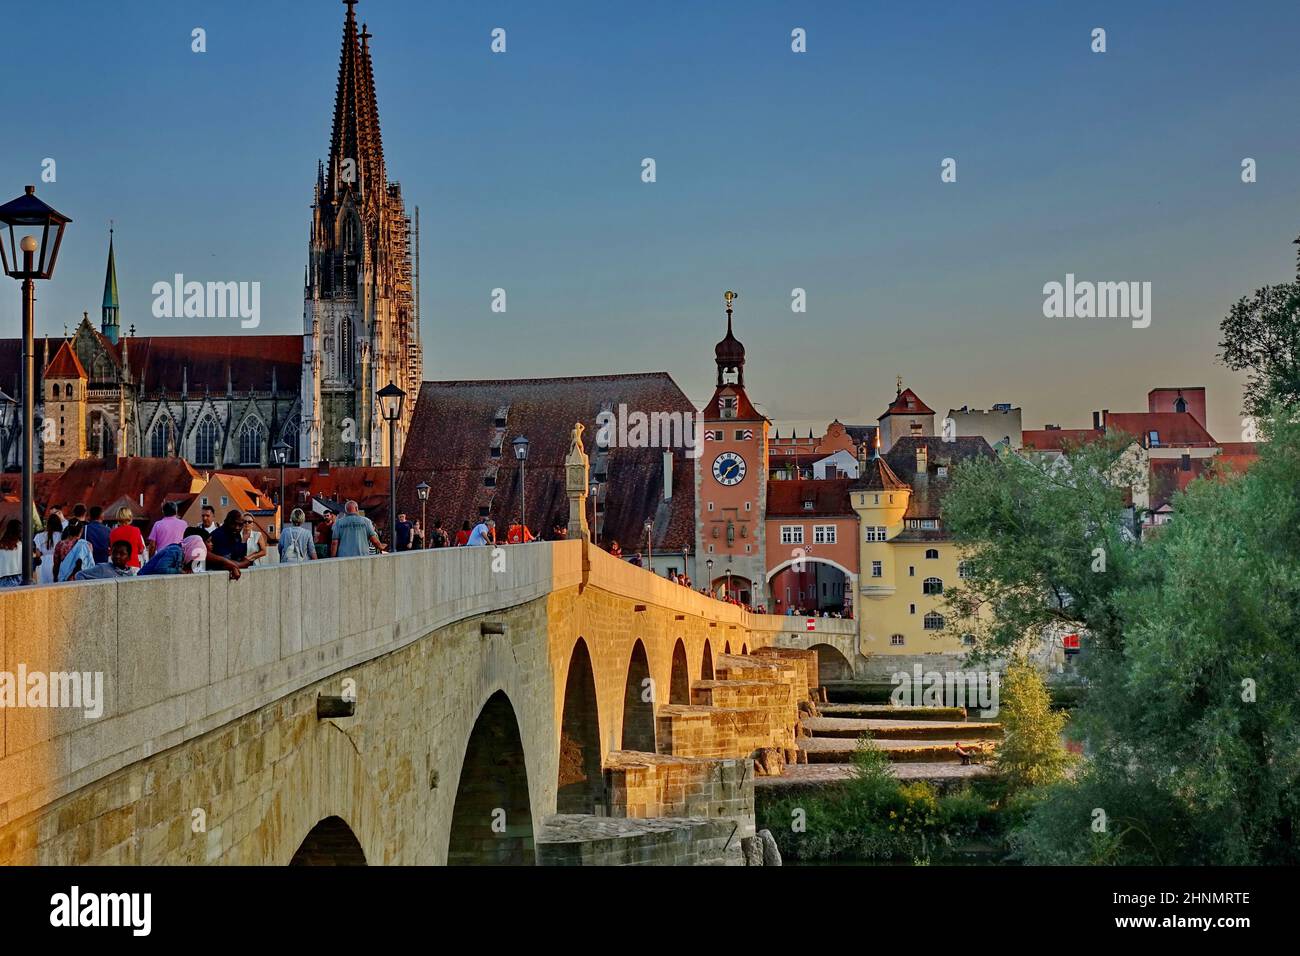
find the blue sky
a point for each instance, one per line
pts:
(775, 171)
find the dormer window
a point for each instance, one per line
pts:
(1153, 439)
(728, 406)
(807, 506)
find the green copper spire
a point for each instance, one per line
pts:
(108, 325)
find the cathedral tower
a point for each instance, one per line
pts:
(360, 317)
(108, 323)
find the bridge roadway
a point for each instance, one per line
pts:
(489, 695)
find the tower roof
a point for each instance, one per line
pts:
(66, 364)
(730, 353)
(110, 277)
(355, 134)
(876, 475)
(908, 403)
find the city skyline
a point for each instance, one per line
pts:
(770, 177)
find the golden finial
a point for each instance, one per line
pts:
(900, 385)
(730, 297)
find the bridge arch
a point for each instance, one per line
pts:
(580, 783)
(330, 843)
(841, 593)
(679, 686)
(638, 703)
(832, 665)
(492, 822)
(706, 664)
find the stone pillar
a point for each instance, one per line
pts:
(576, 475)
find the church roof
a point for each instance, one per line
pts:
(455, 429)
(907, 403)
(66, 364)
(167, 362)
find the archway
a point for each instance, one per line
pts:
(638, 703)
(580, 787)
(679, 687)
(735, 587)
(811, 585)
(330, 843)
(831, 664)
(744, 648)
(492, 822)
(726, 648)
(706, 665)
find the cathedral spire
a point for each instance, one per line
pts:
(109, 320)
(356, 160)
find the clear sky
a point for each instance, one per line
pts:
(775, 171)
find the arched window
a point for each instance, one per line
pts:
(932, 586)
(345, 348)
(252, 437)
(206, 437)
(162, 438)
(932, 554)
(290, 434)
(1180, 405)
(67, 390)
(933, 622)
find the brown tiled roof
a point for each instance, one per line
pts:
(65, 364)
(907, 403)
(876, 475)
(1174, 428)
(164, 361)
(366, 485)
(1057, 439)
(928, 490)
(1168, 478)
(91, 482)
(829, 496)
(454, 430)
(745, 410)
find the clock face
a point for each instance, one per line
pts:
(729, 468)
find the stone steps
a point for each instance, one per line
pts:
(881, 730)
(841, 750)
(889, 711)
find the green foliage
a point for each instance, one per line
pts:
(1031, 753)
(1261, 336)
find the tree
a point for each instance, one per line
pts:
(1261, 335)
(1031, 753)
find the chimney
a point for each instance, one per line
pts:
(922, 460)
(1096, 421)
(668, 475)
(323, 467)
(1104, 413)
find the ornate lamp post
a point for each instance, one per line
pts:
(422, 492)
(709, 564)
(391, 399)
(281, 455)
(520, 445)
(594, 488)
(649, 546)
(686, 554)
(32, 218)
(728, 582)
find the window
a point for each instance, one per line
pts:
(943, 471)
(911, 609)
(741, 436)
(205, 442)
(792, 534)
(932, 554)
(1180, 405)
(290, 438)
(963, 570)
(252, 436)
(808, 505)
(932, 586)
(897, 640)
(162, 439)
(710, 505)
(911, 571)
(823, 534)
(916, 427)
(749, 505)
(875, 533)
(968, 640)
(225, 501)
(728, 406)
(1153, 439)
(933, 622)
(877, 569)
(345, 348)
(203, 501)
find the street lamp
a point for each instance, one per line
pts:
(422, 492)
(520, 445)
(686, 553)
(728, 582)
(594, 488)
(649, 546)
(709, 564)
(391, 399)
(281, 455)
(30, 216)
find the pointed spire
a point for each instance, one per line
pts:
(111, 309)
(356, 119)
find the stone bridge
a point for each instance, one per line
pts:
(537, 703)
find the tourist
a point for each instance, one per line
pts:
(402, 534)
(126, 531)
(518, 534)
(485, 532)
(44, 544)
(97, 534)
(417, 537)
(635, 560)
(11, 554)
(438, 538)
(354, 535)
(72, 554)
(615, 550)
(324, 535)
(79, 513)
(254, 542)
(462, 536)
(295, 541)
(117, 565)
(228, 540)
(208, 519)
(192, 555)
(168, 529)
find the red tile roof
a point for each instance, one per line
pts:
(829, 496)
(90, 482)
(907, 403)
(454, 431)
(1057, 439)
(1173, 428)
(164, 361)
(65, 364)
(745, 410)
(366, 485)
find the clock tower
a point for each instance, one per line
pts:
(731, 482)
